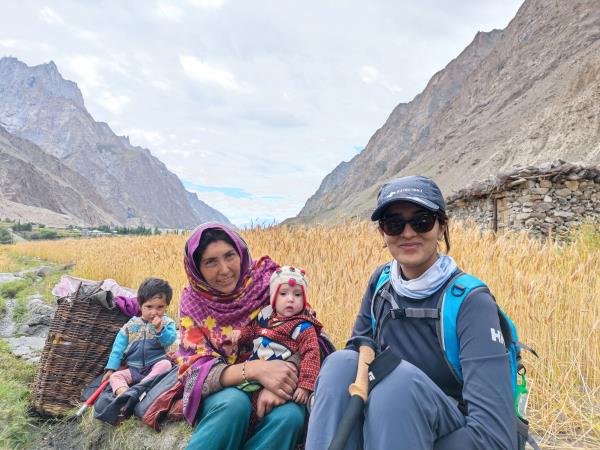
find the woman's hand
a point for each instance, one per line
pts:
(266, 402)
(279, 377)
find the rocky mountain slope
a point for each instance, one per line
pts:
(37, 104)
(524, 95)
(30, 176)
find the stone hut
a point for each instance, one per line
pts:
(547, 199)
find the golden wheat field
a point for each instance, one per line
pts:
(552, 292)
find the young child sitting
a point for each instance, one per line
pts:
(142, 341)
(291, 329)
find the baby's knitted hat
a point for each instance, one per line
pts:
(289, 275)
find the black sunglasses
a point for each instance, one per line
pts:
(393, 225)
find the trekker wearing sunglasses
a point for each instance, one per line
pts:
(420, 403)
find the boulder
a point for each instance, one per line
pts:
(27, 347)
(38, 319)
(43, 271)
(8, 277)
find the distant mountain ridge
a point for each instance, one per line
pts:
(38, 105)
(524, 95)
(30, 176)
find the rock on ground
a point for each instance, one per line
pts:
(28, 348)
(39, 317)
(8, 277)
(27, 339)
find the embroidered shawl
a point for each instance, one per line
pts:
(207, 316)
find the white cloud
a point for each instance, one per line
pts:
(185, 154)
(88, 35)
(145, 138)
(202, 72)
(207, 3)
(26, 46)
(168, 12)
(86, 67)
(9, 43)
(370, 75)
(50, 16)
(113, 103)
(202, 129)
(162, 85)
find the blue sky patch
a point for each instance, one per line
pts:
(229, 191)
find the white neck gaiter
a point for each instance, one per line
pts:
(425, 285)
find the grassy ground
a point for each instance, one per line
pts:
(20, 290)
(19, 429)
(132, 435)
(16, 427)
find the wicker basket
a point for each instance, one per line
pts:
(79, 342)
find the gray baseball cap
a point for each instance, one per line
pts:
(414, 189)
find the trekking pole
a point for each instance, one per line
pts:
(90, 401)
(359, 392)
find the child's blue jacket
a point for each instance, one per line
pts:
(139, 344)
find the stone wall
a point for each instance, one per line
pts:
(539, 205)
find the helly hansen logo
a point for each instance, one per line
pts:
(497, 335)
(371, 376)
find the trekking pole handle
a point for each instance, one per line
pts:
(360, 387)
(359, 392)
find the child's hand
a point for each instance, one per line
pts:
(157, 322)
(301, 395)
(107, 374)
(235, 336)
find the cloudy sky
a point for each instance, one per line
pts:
(250, 103)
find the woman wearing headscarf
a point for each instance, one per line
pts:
(227, 289)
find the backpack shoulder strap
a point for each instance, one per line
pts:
(384, 277)
(382, 282)
(457, 290)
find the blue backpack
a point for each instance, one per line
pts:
(457, 289)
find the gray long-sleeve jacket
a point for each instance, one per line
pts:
(486, 392)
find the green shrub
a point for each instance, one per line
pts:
(22, 226)
(5, 236)
(12, 288)
(44, 234)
